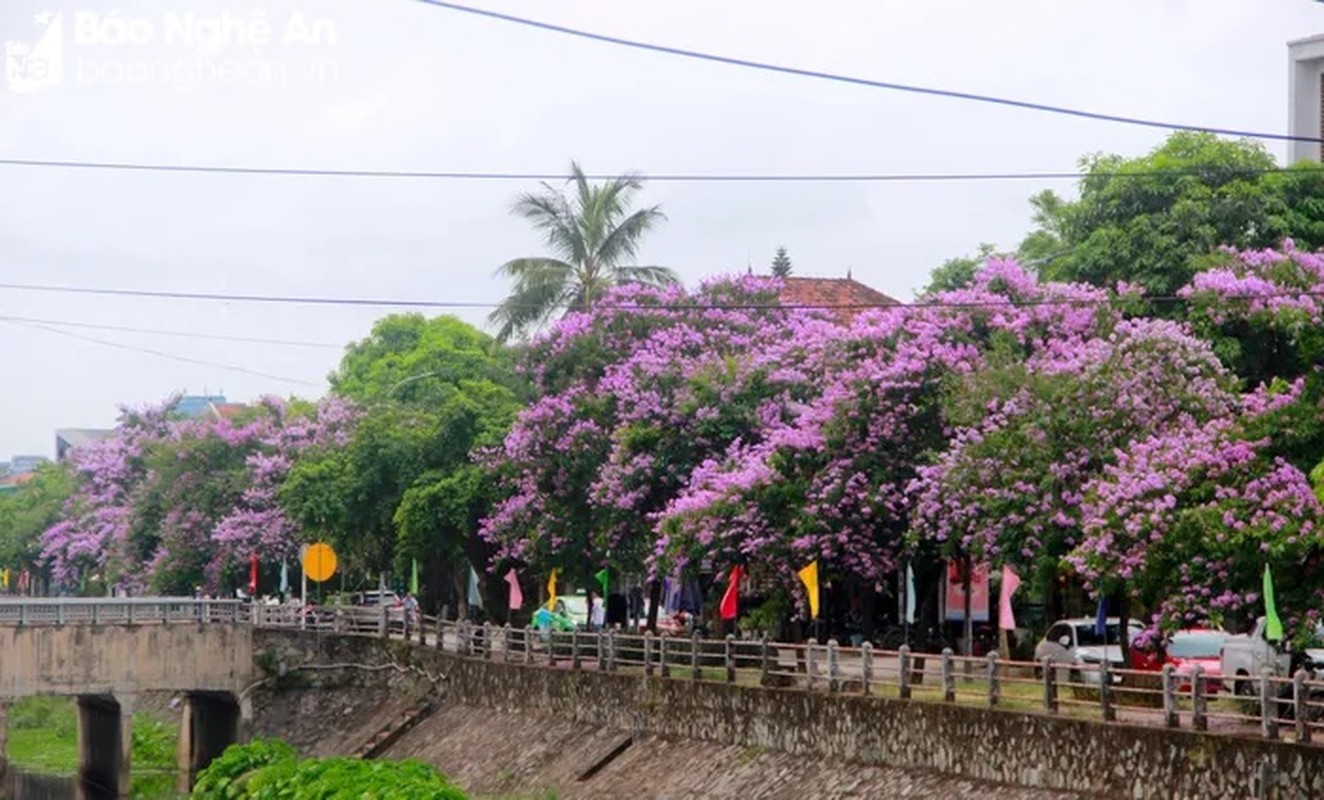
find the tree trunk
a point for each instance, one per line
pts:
(654, 601)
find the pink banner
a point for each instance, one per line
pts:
(955, 595)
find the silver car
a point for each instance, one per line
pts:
(1076, 642)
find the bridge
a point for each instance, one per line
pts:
(105, 653)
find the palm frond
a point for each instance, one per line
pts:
(647, 276)
(622, 243)
(541, 286)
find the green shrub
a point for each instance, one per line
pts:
(269, 770)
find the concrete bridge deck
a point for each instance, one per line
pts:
(105, 653)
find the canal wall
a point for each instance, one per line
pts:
(987, 745)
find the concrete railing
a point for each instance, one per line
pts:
(121, 611)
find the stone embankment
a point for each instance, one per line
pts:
(516, 731)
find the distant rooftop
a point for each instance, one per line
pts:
(850, 294)
(195, 406)
(67, 439)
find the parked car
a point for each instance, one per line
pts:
(1186, 650)
(1251, 655)
(1075, 642)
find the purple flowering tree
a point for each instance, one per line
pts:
(634, 395)
(169, 504)
(1032, 432)
(1185, 522)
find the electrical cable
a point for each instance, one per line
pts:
(461, 304)
(837, 78)
(691, 177)
(60, 323)
(161, 354)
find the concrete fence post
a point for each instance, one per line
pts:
(903, 671)
(528, 644)
(611, 650)
(128, 611)
(59, 613)
(729, 655)
(810, 670)
(866, 667)
(1171, 718)
(574, 649)
(833, 666)
(383, 629)
(441, 633)
(664, 668)
(1199, 700)
(487, 641)
(765, 659)
(1049, 675)
(505, 643)
(948, 677)
(1300, 708)
(994, 685)
(695, 671)
(96, 613)
(648, 653)
(1106, 691)
(1268, 707)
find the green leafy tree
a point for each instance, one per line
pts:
(781, 264)
(27, 512)
(1147, 220)
(403, 486)
(958, 273)
(593, 235)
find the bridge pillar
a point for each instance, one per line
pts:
(105, 743)
(4, 740)
(210, 723)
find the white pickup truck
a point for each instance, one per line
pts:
(1251, 655)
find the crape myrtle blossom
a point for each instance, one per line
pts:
(1009, 488)
(634, 395)
(1285, 286)
(167, 503)
(829, 480)
(1186, 521)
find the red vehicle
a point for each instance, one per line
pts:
(1185, 650)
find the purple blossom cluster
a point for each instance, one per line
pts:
(998, 421)
(1186, 520)
(165, 501)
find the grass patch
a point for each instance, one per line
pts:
(43, 738)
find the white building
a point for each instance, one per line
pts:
(1305, 82)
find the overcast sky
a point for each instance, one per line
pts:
(398, 85)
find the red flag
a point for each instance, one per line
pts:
(252, 576)
(731, 598)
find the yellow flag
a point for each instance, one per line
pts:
(4, 578)
(551, 592)
(809, 577)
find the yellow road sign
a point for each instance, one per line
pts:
(319, 563)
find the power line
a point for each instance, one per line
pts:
(60, 323)
(829, 76)
(681, 177)
(161, 354)
(463, 304)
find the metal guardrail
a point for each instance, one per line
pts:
(1275, 707)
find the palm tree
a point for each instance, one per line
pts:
(593, 236)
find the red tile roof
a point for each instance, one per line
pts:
(228, 410)
(17, 480)
(833, 292)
